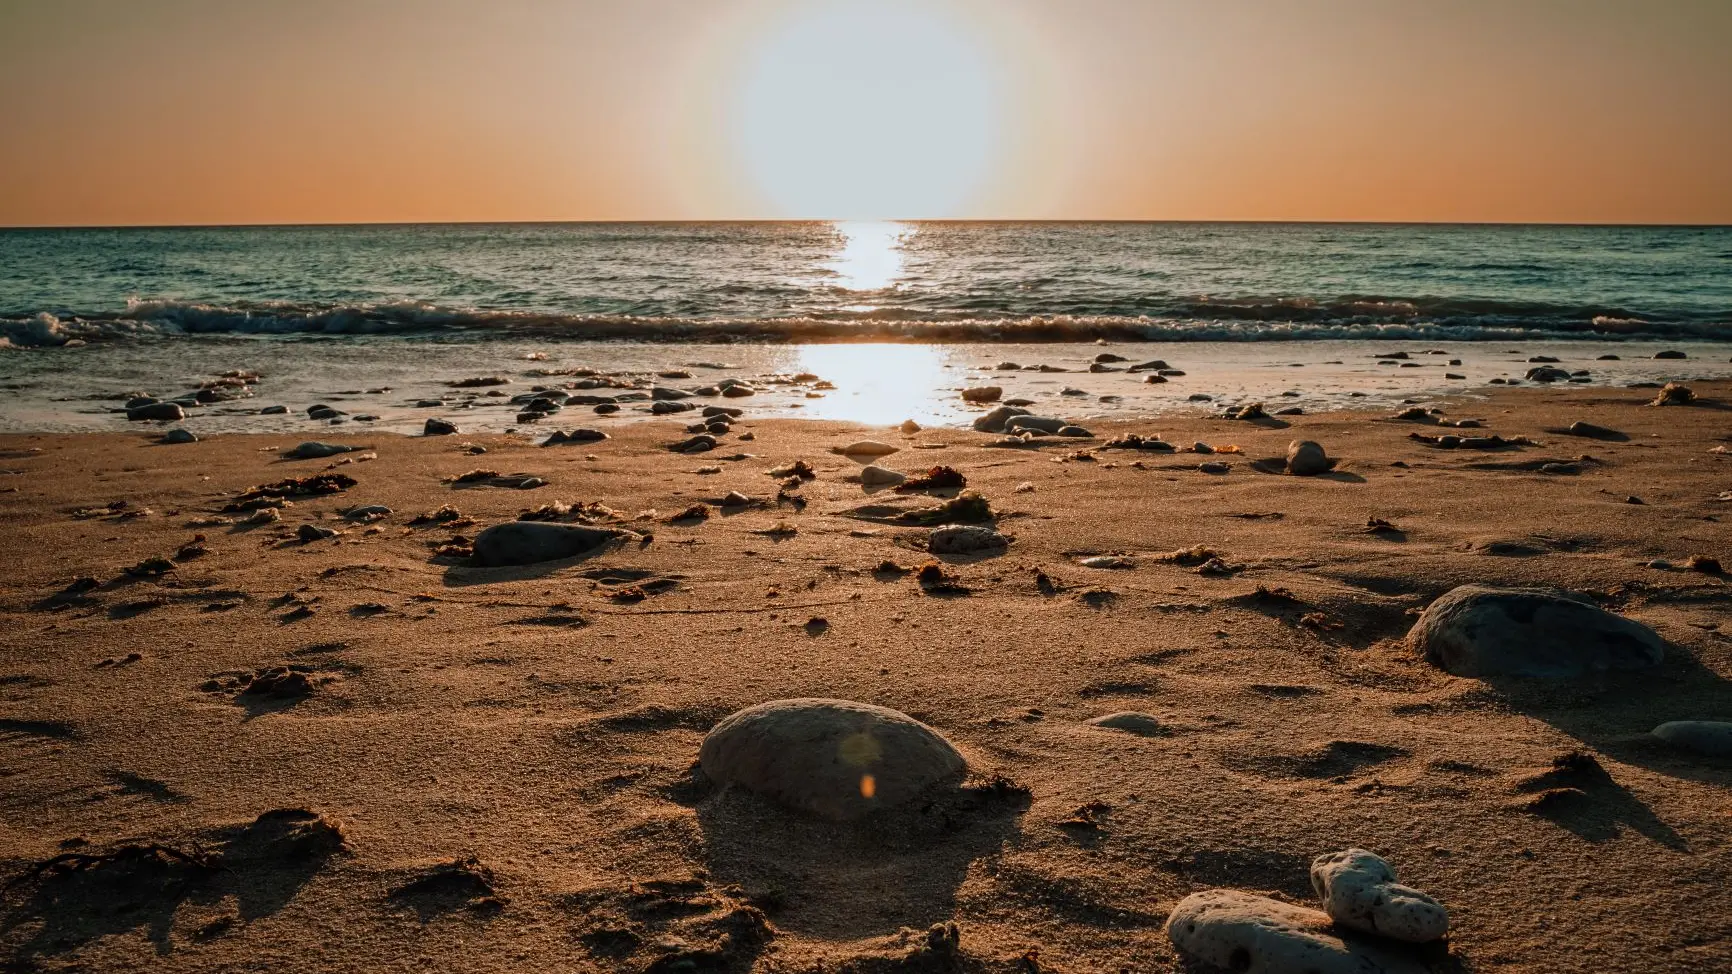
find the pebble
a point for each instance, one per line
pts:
(909, 427)
(732, 412)
(371, 512)
(273, 410)
(1305, 458)
(662, 407)
(1214, 466)
(1671, 394)
(866, 448)
(179, 435)
(993, 422)
(531, 542)
(314, 450)
(965, 539)
(1131, 722)
(876, 476)
(1484, 631)
(313, 532)
(1580, 428)
(1670, 353)
(1107, 561)
(168, 411)
(438, 427)
(574, 436)
(1710, 737)
(982, 394)
(1358, 890)
(1250, 934)
(667, 393)
(604, 408)
(834, 759)
(1025, 421)
(1074, 431)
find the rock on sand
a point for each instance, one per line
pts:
(1305, 458)
(1358, 890)
(1249, 934)
(866, 448)
(965, 539)
(530, 542)
(1484, 631)
(1710, 737)
(831, 758)
(876, 476)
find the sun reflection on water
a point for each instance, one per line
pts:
(871, 255)
(881, 384)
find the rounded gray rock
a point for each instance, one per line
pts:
(1358, 890)
(1249, 934)
(1485, 631)
(1305, 458)
(170, 411)
(531, 542)
(993, 421)
(965, 539)
(1710, 737)
(179, 435)
(836, 759)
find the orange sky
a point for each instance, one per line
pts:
(220, 111)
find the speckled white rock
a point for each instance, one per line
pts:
(1711, 737)
(832, 758)
(965, 539)
(1249, 934)
(1358, 890)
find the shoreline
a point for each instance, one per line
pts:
(544, 720)
(395, 384)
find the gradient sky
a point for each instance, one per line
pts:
(273, 111)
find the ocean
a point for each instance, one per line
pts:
(89, 313)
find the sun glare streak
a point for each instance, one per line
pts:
(871, 255)
(882, 384)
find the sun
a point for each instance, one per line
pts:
(866, 110)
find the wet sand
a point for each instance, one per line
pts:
(496, 765)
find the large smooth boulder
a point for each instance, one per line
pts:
(1241, 932)
(531, 542)
(1358, 890)
(836, 759)
(1710, 737)
(1485, 631)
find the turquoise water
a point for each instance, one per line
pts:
(820, 282)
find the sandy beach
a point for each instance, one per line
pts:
(490, 769)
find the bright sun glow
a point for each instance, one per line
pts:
(882, 385)
(868, 109)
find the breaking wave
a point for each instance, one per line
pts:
(1157, 320)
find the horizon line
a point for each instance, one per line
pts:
(798, 220)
